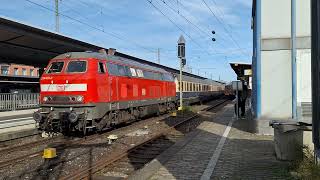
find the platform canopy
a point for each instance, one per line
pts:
(241, 69)
(24, 44)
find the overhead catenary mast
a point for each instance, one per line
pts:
(57, 28)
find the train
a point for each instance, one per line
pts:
(93, 91)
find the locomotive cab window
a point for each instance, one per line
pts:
(148, 74)
(55, 67)
(101, 68)
(122, 70)
(112, 68)
(158, 76)
(167, 77)
(77, 66)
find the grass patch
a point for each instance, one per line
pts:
(186, 109)
(305, 168)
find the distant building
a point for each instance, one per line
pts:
(18, 70)
(18, 78)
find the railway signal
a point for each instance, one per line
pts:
(182, 57)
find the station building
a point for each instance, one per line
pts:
(272, 63)
(18, 78)
(18, 70)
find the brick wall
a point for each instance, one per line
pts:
(18, 70)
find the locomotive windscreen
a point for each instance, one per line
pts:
(77, 66)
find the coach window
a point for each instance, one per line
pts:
(184, 86)
(101, 68)
(133, 72)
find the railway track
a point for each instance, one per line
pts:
(57, 142)
(124, 163)
(161, 140)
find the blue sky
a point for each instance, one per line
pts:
(137, 28)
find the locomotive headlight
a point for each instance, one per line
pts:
(79, 98)
(45, 99)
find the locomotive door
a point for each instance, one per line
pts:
(124, 84)
(113, 84)
(102, 83)
(164, 89)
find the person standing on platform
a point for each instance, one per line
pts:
(243, 98)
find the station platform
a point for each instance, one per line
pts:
(17, 124)
(220, 148)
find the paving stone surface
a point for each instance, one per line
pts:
(248, 156)
(244, 155)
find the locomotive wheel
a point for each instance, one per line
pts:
(84, 127)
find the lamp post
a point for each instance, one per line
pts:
(182, 57)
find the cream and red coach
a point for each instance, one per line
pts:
(90, 90)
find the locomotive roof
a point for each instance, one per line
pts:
(97, 55)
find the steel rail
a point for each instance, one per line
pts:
(101, 164)
(24, 157)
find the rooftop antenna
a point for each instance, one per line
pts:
(158, 55)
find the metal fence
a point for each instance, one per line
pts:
(15, 101)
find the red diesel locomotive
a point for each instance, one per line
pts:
(91, 90)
